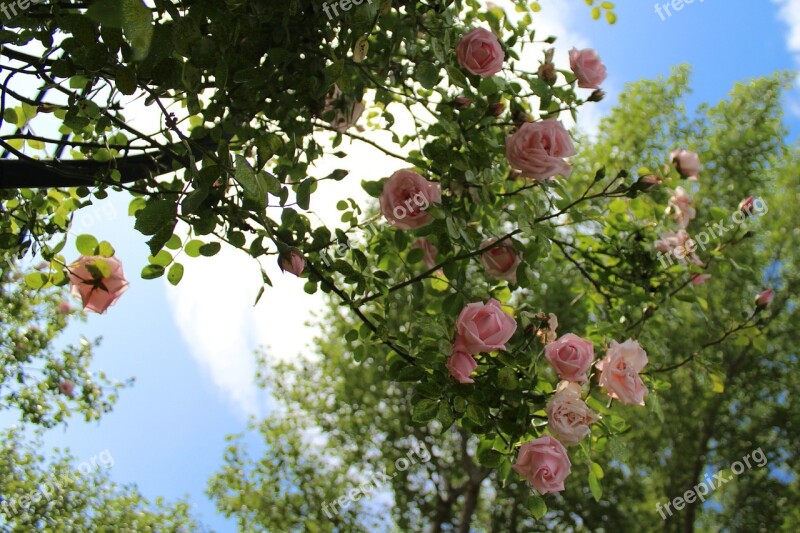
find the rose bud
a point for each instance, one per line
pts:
(64, 308)
(461, 364)
(292, 262)
(462, 102)
(746, 206)
(547, 71)
(497, 109)
(699, 279)
(597, 96)
(764, 298)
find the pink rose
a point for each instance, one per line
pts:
(679, 244)
(406, 197)
(345, 111)
(538, 149)
(66, 387)
(500, 262)
(97, 293)
(64, 308)
(746, 206)
(680, 207)
(568, 416)
(461, 364)
(429, 251)
(588, 68)
(764, 298)
(571, 357)
(699, 279)
(292, 262)
(620, 372)
(687, 163)
(485, 327)
(544, 463)
(480, 53)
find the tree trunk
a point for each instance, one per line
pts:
(472, 490)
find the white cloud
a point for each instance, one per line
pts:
(789, 13)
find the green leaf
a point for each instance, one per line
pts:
(86, 245)
(425, 411)
(175, 274)
(304, 192)
(192, 247)
(507, 378)
(137, 24)
(490, 458)
(595, 487)
(155, 216)
(106, 12)
(254, 187)
(36, 280)
(536, 506)
(105, 249)
(152, 272)
(427, 74)
(210, 249)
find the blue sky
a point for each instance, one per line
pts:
(190, 348)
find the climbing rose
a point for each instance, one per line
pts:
(485, 327)
(687, 163)
(620, 372)
(97, 293)
(480, 53)
(571, 357)
(500, 262)
(680, 207)
(544, 463)
(568, 415)
(538, 149)
(588, 68)
(461, 364)
(406, 197)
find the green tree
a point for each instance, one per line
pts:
(56, 495)
(722, 374)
